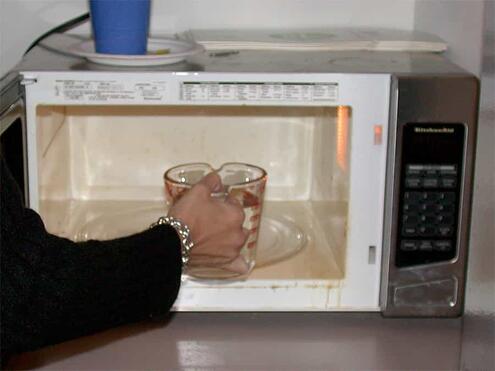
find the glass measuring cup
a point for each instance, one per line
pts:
(244, 182)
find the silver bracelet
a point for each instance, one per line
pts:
(184, 234)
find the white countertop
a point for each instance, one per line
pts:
(277, 341)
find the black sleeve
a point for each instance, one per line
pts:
(53, 289)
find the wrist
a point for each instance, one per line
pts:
(184, 236)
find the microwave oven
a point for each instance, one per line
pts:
(369, 155)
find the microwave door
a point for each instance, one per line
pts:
(13, 130)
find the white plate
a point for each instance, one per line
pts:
(278, 238)
(178, 50)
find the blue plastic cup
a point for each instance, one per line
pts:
(120, 26)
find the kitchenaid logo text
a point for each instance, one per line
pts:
(434, 130)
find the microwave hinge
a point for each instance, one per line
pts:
(27, 80)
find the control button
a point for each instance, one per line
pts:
(446, 196)
(443, 245)
(413, 170)
(413, 196)
(428, 207)
(445, 207)
(430, 294)
(409, 231)
(431, 170)
(410, 219)
(445, 230)
(427, 231)
(448, 205)
(430, 182)
(411, 208)
(413, 182)
(448, 170)
(409, 245)
(428, 219)
(445, 219)
(430, 196)
(448, 182)
(426, 245)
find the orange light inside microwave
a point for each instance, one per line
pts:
(378, 131)
(342, 135)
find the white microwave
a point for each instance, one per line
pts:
(369, 155)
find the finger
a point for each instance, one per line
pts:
(208, 261)
(233, 200)
(212, 181)
(234, 213)
(238, 265)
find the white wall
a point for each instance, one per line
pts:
(459, 23)
(22, 21)
(478, 340)
(480, 296)
(183, 14)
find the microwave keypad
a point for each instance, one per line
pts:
(432, 157)
(429, 205)
(428, 214)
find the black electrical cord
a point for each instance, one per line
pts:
(61, 28)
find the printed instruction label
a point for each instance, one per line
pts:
(109, 90)
(259, 91)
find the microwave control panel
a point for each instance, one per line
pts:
(430, 193)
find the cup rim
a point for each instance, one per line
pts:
(262, 176)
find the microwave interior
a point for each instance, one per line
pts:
(100, 176)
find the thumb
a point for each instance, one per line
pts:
(213, 182)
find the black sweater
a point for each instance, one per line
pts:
(53, 289)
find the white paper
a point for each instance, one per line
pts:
(317, 39)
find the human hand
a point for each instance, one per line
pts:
(215, 226)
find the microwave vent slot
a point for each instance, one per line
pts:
(372, 254)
